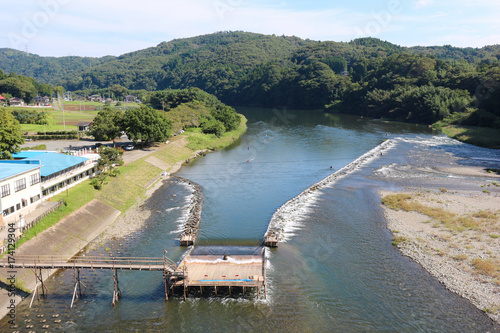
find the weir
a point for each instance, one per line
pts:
(191, 227)
(283, 215)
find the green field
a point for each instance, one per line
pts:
(50, 128)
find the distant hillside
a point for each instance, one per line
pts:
(50, 70)
(224, 54)
(366, 76)
(213, 62)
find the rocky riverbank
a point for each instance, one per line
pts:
(459, 245)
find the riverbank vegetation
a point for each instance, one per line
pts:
(437, 86)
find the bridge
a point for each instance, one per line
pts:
(77, 263)
(203, 271)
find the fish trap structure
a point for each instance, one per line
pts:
(222, 270)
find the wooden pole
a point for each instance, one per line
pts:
(74, 295)
(35, 292)
(184, 282)
(166, 284)
(116, 292)
(78, 281)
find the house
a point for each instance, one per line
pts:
(15, 101)
(2, 99)
(20, 188)
(84, 125)
(42, 101)
(130, 99)
(345, 73)
(95, 98)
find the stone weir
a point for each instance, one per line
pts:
(287, 213)
(192, 224)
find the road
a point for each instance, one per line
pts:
(61, 145)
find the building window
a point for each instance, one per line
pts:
(25, 202)
(35, 198)
(34, 179)
(5, 190)
(8, 211)
(18, 206)
(20, 184)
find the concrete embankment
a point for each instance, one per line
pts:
(284, 218)
(65, 239)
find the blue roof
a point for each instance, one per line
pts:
(51, 162)
(26, 154)
(9, 168)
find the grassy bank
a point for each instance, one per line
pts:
(478, 136)
(75, 198)
(134, 177)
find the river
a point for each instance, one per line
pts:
(337, 272)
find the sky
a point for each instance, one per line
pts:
(97, 28)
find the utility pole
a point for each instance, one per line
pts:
(62, 107)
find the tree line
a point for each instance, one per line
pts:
(26, 88)
(366, 76)
(175, 110)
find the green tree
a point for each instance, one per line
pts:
(109, 158)
(212, 126)
(107, 124)
(227, 116)
(10, 135)
(118, 90)
(45, 118)
(19, 86)
(146, 124)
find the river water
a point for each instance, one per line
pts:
(338, 271)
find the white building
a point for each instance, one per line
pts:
(60, 171)
(20, 188)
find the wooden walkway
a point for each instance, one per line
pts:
(77, 263)
(121, 263)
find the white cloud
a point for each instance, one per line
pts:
(115, 27)
(422, 3)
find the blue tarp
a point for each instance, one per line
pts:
(236, 280)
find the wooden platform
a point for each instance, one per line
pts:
(223, 271)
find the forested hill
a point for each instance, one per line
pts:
(366, 76)
(49, 70)
(225, 56)
(210, 61)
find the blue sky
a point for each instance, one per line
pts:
(113, 27)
